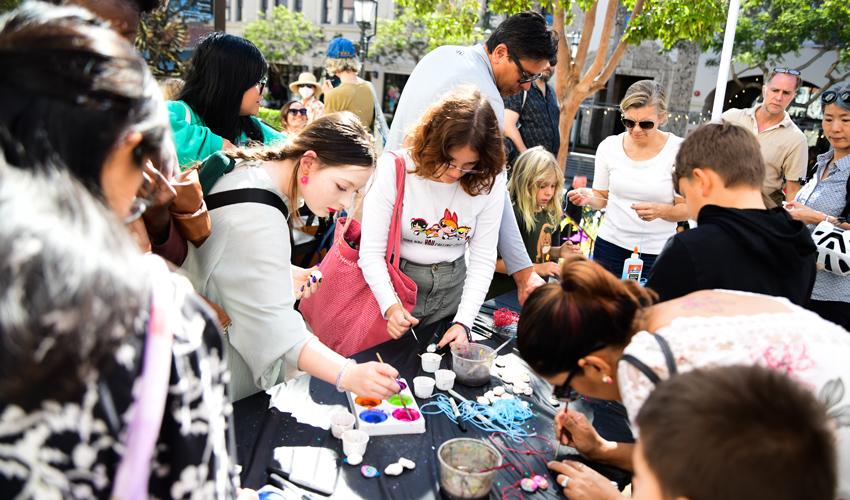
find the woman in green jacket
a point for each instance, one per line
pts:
(218, 104)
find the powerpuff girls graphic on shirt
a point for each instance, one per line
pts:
(447, 229)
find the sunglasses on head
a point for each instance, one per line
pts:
(302, 111)
(787, 71)
(830, 96)
(644, 124)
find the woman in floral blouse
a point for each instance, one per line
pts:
(613, 344)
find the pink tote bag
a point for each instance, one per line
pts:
(343, 313)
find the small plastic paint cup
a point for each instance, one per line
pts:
(354, 442)
(341, 421)
(430, 362)
(445, 379)
(423, 387)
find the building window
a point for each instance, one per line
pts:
(264, 6)
(327, 5)
(278, 3)
(297, 5)
(227, 14)
(346, 11)
(238, 11)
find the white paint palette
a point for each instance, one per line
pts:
(388, 417)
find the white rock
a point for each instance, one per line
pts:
(525, 404)
(528, 391)
(353, 459)
(482, 400)
(526, 377)
(407, 463)
(500, 361)
(507, 396)
(489, 394)
(394, 469)
(499, 390)
(431, 348)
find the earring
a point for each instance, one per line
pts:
(304, 179)
(608, 380)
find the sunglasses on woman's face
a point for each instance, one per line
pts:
(564, 392)
(302, 111)
(644, 124)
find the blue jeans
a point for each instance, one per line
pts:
(612, 257)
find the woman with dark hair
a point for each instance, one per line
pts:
(293, 117)
(220, 99)
(245, 265)
(452, 182)
(826, 198)
(597, 336)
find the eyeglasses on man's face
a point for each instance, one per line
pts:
(524, 76)
(644, 124)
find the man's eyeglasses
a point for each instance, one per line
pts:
(302, 111)
(787, 71)
(463, 170)
(261, 85)
(830, 96)
(644, 124)
(524, 76)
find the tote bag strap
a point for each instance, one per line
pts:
(133, 474)
(394, 237)
(669, 359)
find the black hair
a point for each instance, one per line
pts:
(140, 6)
(527, 37)
(222, 69)
(70, 91)
(72, 287)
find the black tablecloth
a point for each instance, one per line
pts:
(260, 429)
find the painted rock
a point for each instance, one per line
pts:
(541, 481)
(407, 463)
(353, 459)
(394, 469)
(369, 471)
(528, 485)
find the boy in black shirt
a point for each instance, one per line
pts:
(738, 244)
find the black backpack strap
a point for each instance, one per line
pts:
(646, 370)
(249, 195)
(845, 214)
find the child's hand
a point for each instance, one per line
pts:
(371, 380)
(399, 321)
(547, 269)
(571, 247)
(580, 196)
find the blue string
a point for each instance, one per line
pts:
(506, 415)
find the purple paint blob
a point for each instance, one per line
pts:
(373, 416)
(401, 384)
(408, 415)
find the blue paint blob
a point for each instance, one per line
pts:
(373, 416)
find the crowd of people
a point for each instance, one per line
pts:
(147, 245)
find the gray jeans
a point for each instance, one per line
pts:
(439, 288)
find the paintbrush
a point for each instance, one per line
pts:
(400, 397)
(398, 299)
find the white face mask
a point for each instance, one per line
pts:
(306, 92)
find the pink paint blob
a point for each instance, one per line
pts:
(408, 415)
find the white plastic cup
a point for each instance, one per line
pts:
(430, 362)
(354, 442)
(341, 421)
(423, 387)
(445, 379)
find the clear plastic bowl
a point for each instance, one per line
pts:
(471, 363)
(461, 460)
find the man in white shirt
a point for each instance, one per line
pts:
(783, 145)
(517, 53)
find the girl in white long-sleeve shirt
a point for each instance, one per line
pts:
(453, 199)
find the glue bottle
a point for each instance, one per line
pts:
(633, 267)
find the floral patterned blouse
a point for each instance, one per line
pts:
(72, 449)
(811, 350)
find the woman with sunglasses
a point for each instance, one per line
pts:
(220, 99)
(293, 117)
(601, 337)
(633, 182)
(453, 199)
(826, 198)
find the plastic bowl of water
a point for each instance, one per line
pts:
(471, 363)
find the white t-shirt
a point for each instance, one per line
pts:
(628, 181)
(798, 343)
(439, 221)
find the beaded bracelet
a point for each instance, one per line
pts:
(341, 372)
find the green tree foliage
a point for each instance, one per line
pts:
(162, 36)
(284, 36)
(770, 29)
(6, 5)
(421, 26)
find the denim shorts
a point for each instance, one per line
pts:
(439, 288)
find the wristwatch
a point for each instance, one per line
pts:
(465, 328)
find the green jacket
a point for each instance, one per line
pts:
(194, 141)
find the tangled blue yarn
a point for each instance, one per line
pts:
(505, 415)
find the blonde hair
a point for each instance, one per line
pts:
(533, 166)
(334, 66)
(645, 93)
(171, 88)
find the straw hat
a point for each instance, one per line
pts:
(306, 79)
